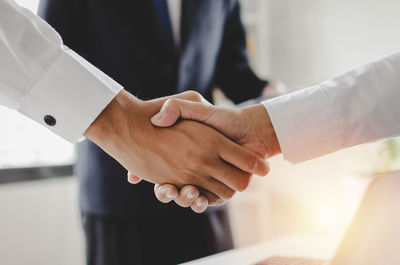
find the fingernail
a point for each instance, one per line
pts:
(199, 204)
(157, 117)
(170, 194)
(191, 195)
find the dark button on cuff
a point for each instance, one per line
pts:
(49, 120)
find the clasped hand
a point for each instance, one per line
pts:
(186, 153)
(249, 127)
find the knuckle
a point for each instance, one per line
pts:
(194, 96)
(172, 102)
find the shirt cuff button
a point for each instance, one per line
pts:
(49, 120)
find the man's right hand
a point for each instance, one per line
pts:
(188, 153)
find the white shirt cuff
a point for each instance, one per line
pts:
(69, 96)
(305, 124)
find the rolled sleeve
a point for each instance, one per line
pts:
(69, 96)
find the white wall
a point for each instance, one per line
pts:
(312, 40)
(40, 223)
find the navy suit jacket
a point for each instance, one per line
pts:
(123, 38)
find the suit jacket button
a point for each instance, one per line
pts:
(49, 120)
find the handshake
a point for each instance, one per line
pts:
(196, 154)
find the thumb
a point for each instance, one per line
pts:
(174, 108)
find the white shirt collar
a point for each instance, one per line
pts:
(175, 14)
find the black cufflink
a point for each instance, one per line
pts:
(49, 120)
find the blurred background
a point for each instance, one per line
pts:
(298, 42)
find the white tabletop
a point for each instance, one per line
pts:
(297, 246)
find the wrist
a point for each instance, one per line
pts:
(269, 132)
(112, 120)
(264, 129)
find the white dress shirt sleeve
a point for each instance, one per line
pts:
(357, 107)
(40, 77)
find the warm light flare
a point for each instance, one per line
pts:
(330, 219)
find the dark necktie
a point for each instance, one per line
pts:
(162, 13)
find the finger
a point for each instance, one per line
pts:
(187, 195)
(243, 158)
(213, 200)
(133, 179)
(166, 193)
(231, 176)
(200, 204)
(174, 108)
(218, 188)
